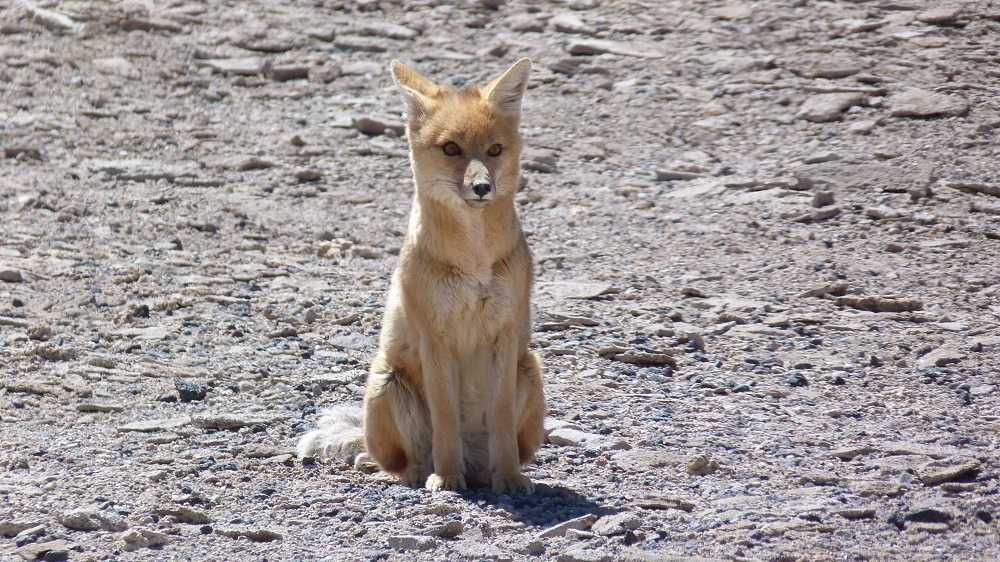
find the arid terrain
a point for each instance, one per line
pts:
(767, 249)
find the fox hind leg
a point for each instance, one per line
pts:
(397, 428)
(531, 407)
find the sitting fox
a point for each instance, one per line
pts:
(454, 396)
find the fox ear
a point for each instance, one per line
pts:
(415, 88)
(507, 90)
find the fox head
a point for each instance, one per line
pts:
(464, 144)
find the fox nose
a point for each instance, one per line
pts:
(481, 189)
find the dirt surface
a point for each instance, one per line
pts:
(767, 300)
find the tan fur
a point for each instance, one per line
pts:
(454, 395)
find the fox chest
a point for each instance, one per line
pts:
(473, 307)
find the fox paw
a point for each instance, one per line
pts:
(517, 484)
(436, 482)
(413, 477)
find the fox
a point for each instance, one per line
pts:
(454, 397)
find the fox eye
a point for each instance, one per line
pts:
(451, 149)
(494, 150)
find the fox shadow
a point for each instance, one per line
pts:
(546, 506)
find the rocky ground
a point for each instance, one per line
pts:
(766, 240)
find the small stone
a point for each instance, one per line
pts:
(96, 407)
(247, 66)
(147, 426)
(324, 74)
(226, 421)
(449, 529)
(185, 514)
(823, 108)
(862, 127)
(412, 542)
(580, 523)
(36, 551)
(189, 391)
(675, 175)
(374, 125)
(858, 512)
(921, 103)
(894, 248)
(796, 380)
(29, 535)
(286, 72)
(570, 23)
(135, 539)
(849, 453)
(732, 11)
(56, 555)
(616, 524)
(702, 465)
(941, 357)
(880, 304)
(87, 519)
(10, 276)
(939, 16)
(823, 199)
(568, 437)
(585, 554)
(255, 163)
(21, 152)
(946, 470)
(876, 488)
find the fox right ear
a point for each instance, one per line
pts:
(415, 88)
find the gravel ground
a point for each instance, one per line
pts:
(767, 299)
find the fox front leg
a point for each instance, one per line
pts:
(505, 465)
(441, 389)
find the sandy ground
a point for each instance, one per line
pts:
(766, 245)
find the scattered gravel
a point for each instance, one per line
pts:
(765, 235)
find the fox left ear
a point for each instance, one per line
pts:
(507, 90)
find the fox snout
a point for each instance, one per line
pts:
(480, 182)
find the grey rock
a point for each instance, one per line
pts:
(585, 554)
(185, 514)
(13, 527)
(412, 542)
(674, 175)
(580, 523)
(134, 539)
(11, 275)
(617, 524)
(702, 465)
(921, 103)
(823, 108)
(823, 199)
(378, 124)
(942, 357)
(147, 426)
(448, 529)
(245, 66)
(571, 23)
(567, 437)
(36, 551)
(849, 453)
(940, 16)
(30, 534)
(226, 421)
(947, 470)
(87, 519)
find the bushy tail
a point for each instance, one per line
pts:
(338, 436)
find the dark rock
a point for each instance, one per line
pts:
(796, 379)
(190, 391)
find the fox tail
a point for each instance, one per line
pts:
(338, 435)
